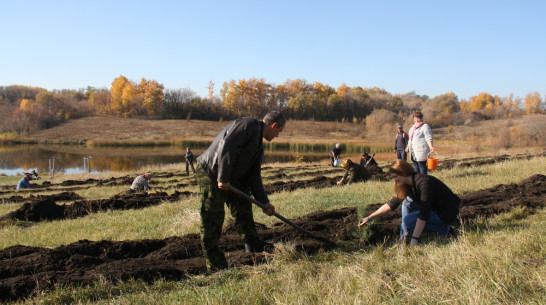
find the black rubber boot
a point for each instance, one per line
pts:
(259, 246)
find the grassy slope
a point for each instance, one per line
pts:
(499, 261)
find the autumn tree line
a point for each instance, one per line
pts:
(37, 108)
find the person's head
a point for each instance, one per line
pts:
(338, 145)
(27, 176)
(365, 155)
(274, 123)
(400, 170)
(346, 164)
(187, 149)
(400, 128)
(417, 116)
(148, 175)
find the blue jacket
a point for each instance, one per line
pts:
(24, 184)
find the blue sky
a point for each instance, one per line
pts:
(430, 47)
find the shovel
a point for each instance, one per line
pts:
(370, 160)
(263, 206)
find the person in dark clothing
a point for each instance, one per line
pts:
(353, 172)
(400, 144)
(234, 158)
(189, 161)
(427, 203)
(335, 153)
(366, 160)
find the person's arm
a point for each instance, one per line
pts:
(428, 137)
(344, 178)
(419, 227)
(382, 210)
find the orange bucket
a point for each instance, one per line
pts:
(432, 163)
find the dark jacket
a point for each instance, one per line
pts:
(432, 195)
(401, 141)
(189, 156)
(356, 173)
(335, 152)
(236, 156)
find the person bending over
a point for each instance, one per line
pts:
(353, 172)
(141, 182)
(427, 203)
(234, 159)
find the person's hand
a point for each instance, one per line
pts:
(223, 186)
(340, 182)
(364, 221)
(269, 209)
(432, 149)
(413, 242)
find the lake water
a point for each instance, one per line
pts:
(69, 159)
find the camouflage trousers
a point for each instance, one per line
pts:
(212, 218)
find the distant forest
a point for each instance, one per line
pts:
(37, 108)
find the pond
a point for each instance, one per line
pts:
(68, 159)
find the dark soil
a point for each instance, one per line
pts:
(44, 207)
(27, 270)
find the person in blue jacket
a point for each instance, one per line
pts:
(24, 182)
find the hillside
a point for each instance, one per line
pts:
(108, 128)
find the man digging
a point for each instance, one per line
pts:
(234, 158)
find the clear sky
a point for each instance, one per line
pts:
(430, 47)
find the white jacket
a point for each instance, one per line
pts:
(417, 144)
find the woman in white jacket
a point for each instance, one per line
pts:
(420, 143)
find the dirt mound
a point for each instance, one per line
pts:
(479, 161)
(45, 208)
(63, 196)
(27, 270)
(529, 193)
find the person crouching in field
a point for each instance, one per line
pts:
(354, 172)
(141, 182)
(24, 182)
(427, 203)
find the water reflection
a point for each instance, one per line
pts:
(70, 159)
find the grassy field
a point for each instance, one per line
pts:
(492, 261)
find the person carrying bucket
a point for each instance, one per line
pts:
(335, 153)
(420, 143)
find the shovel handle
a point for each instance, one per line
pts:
(263, 206)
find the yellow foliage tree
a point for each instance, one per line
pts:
(481, 101)
(123, 95)
(151, 96)
(533, 103)
(247, 97)
(25, 104)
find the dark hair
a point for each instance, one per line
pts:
(418, 114)
(275, 117)
(401, 168)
